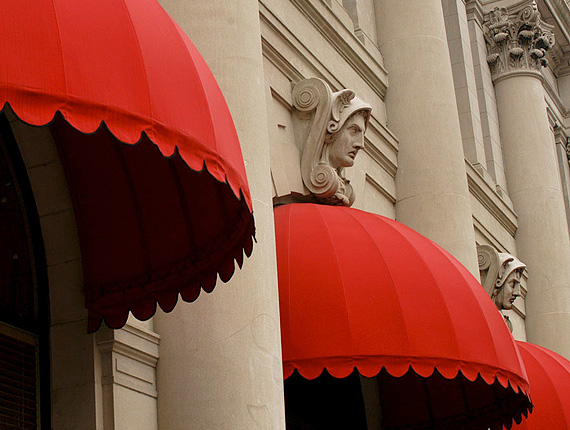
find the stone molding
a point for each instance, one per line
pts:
(475, 11)
(390, 196)
(129, 357)
(561, 139)
(561, 16)
(366, 61)
(498, 206)
(380, 158)
(319, 114)
(554, 102)
(517, 40)
(357, 55)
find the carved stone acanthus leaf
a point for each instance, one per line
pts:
(319, 114)
(517, 40)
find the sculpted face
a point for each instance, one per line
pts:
(347, 142)
(509, 291)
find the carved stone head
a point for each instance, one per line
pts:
(333, 135)
(501, 275)
(509, 281)
(342, 146)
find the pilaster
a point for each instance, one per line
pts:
(128, 359)
(561, 141)
(486, 98)
(457, 29)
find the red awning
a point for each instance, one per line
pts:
(549, 378)
(358, 290)
(156, 219)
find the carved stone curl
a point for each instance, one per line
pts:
(321, 115)
(501, 275)
(517, 40)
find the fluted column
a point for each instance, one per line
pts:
(431, 183)
(220, 357)
(517, 41)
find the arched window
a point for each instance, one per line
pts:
(24, 318)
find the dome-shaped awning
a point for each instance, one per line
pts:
(358, 290)
(549, 378)
(154, 220)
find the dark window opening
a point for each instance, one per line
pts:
(324, 403)
(24, 309)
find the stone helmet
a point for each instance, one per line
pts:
(507, 265)
(344, 105)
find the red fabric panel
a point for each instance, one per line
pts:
(125, 67)
(360, 290)
(549, 378)
(124, 62)
(149, 227)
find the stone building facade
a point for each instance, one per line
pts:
(466, 143)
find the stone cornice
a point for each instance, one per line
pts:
(517, 39)
(475, 11)
(380, 189)
(282, 63)
(356, 55)
(561, 138)
(554, 99)
(366, 62)
(561, 15)
(552, 119)
(380, 158)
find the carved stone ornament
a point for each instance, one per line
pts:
(330, 131)
(517, 40)
(501, 275)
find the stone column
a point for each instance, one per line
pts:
(431, 183)
(517, 41)
(220, 357)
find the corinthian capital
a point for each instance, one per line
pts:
(517, 40)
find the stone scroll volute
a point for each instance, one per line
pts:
(488, 267)
(320, 114)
